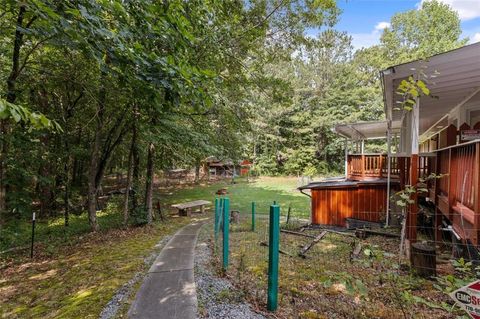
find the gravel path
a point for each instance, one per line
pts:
(217, 298)
(123, 294)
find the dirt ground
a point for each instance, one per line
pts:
(329, 283)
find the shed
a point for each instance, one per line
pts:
(245, 167)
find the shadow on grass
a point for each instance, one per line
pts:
(52, 232)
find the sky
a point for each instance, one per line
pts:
(365, 19)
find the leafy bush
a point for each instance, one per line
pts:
(267, 166)
(138, 217)
(310, 171)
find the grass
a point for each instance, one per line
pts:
(52, 233)
(75, 272)
(263, 191)
(79, 280)
(328, 284)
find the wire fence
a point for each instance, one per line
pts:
(334, 271)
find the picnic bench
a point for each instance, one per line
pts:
(185, 209)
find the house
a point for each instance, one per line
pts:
(439, 135)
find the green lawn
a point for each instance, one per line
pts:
(263, 191)
(75, 272)
(77, 281)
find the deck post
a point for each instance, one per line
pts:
(438, 213)
(413, 208)
(389, 168)
(273, 258)
(363, 166)
(346, 158)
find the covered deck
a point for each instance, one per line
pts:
(439, 136)
(445, 125)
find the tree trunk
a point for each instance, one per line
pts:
(149, 186)
(76, 172)
(45, 191)
(129, 177)
(136, 172)
(92, 189)
(66, 194)
(93, 180)
(197, 171)
(11, 97)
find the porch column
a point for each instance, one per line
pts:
(346, 158)
(413, 208)
(389, 143)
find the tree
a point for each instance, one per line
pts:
(417, 34)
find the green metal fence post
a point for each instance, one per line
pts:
(274, 241)
(253, 216)
(226, 225)
(220, 214)
(217, 217)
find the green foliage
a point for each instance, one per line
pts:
(326, 83)
(178, 74)
(465, 273)
(20, 114)
(139, 216)
(404, 196)
(410, 91)
(352, 285)
(310, 171)
(418, 34)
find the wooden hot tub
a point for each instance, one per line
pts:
(335, 200)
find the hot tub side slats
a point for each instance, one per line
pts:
(331, 206)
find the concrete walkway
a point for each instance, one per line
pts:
(168, 290)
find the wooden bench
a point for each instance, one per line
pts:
(185, 209)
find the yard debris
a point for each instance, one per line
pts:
(354, 223)
(363, 233)
(265, 244)
(340, 230)
(307, 247)
(222, 191)
(159, 210)
(340, 233)
(296, 233)
(356, 249)
(288, 214)
(234, 217)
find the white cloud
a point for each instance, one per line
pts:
(475, 38)
(365, 40)
(382, 25)
(467, 9)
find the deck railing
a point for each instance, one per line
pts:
(368, 166)
(365, 166)
(457, 193)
